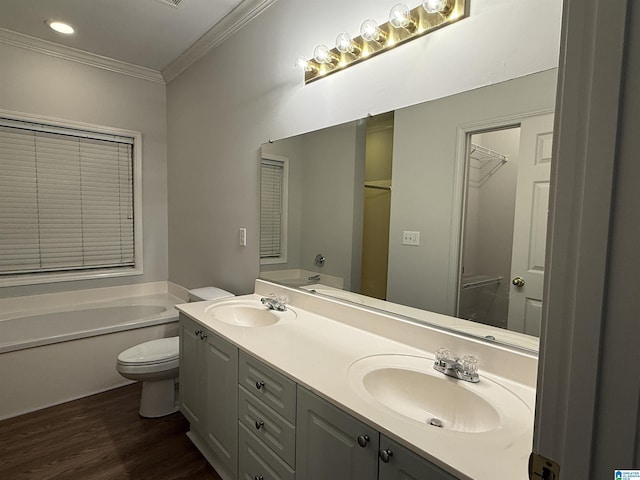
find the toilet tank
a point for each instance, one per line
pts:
(208, 293)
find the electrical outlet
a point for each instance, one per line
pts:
(243, 237)
(410, 238)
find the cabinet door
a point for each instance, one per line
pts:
(399, 463)
(221, 397)
(331, 444)
(191, 372)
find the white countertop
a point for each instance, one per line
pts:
(317, 347)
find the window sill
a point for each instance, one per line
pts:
(34, 279)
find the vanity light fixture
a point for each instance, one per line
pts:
(60, 27)
(404, 24)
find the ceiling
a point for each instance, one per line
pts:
(147, 33)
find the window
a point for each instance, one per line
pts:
(274, 173)
(66, 203)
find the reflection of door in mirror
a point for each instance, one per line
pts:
(377, 205)
(505, 225)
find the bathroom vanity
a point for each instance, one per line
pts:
(325, 389)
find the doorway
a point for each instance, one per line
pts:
(505, 222)
(377, 205)
(492, 169)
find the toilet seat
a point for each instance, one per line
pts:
(164, 351)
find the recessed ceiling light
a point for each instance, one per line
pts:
(60, 27)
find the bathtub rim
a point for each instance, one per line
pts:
(163, 299)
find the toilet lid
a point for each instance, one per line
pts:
(154, 351)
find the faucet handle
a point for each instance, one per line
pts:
(469, 364)
(442, 353)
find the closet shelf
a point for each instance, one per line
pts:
(475, 280)
(484, 162)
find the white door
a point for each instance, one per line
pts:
(530, 225)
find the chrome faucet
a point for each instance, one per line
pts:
(275, 303)
(465, 368)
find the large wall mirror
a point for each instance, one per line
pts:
(435, 211)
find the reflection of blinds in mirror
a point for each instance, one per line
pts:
(271, 207)
(66, 199)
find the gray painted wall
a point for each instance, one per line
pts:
(424, 158)
(37, 84)
(246, 92)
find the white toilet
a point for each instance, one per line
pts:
(155, 364)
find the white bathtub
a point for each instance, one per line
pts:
(56, 351)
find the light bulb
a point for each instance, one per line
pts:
(400, 16)
(321, 54)
(435, 6)
(302, 63)
(370, 31)
(344, 44)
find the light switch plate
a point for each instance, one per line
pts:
(243, 237)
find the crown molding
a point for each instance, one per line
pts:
(45, 47)
(238, 18)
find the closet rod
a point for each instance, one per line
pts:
(377, 187)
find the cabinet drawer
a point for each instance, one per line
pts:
(276, 432)
(273, 388)
(257, 461)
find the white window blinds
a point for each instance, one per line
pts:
(66, 199)
(271, 208)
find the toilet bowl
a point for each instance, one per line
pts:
(155, 364)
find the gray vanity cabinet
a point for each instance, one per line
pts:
(252, 422)
(208, 394)
(399, 463)
(332, 444)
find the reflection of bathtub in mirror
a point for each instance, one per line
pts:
(460, 325)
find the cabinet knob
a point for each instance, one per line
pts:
(259, 423)
(198, 332)
(363, 440)
(385, 455)
(259, 384)
(258, 477)
(203, 336)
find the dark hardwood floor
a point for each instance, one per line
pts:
(99, 438)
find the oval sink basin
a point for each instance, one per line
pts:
(247, 314)
(409, 386)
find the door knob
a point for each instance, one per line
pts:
(518, 282)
